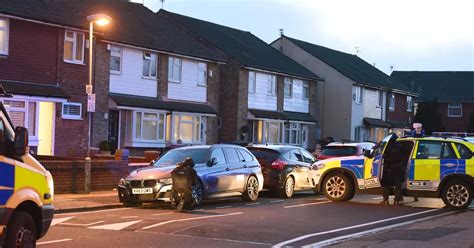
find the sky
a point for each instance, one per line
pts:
(413, 35)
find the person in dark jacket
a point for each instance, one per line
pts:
(184, 179)
(393, 174)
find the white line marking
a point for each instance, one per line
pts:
(306, 204)
(196, 218)
(116, 226)
(201, 209)
(187, 228)
(284, 243)
(53, 241)
(277, 201)
(223, 207)
(252, 204)
(162, 214)
(371, 231)
(128, 217)
(228, 240)
(59, 220)
(378, 198)
(91, 212)
(75, 224)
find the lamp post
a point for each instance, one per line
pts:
(101, 20)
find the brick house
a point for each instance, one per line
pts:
(451, 90)
(265, 97)
(358, 101)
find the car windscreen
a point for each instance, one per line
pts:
(200, 156)
(264, 156)
(339, 151)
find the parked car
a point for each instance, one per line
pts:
(285, 168)
(223, 171)
(469, 139)
(338, 149)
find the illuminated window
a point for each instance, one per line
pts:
(188, 129)
(73, 47)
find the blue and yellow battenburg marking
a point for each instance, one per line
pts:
(7, 181)
(356, 166)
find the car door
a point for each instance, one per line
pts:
(235, 171)
(297, 167)
(305, 168)
(373, 170)
(215, 179)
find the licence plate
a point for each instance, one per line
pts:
(372, 183)
(140, 191)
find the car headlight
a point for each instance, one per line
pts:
(123, 181)
(318, 166)
(166, 181)
(49, 179)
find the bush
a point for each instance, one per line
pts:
(104, 145)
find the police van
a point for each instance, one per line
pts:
(26, 188)
(433, 167)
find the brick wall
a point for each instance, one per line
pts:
(228, 102)
(456, 124)
(400, 114)
(280, 93)
(213, 87)
(313, 111)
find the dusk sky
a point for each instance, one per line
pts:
(408, 35)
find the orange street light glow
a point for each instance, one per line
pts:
(99, 19)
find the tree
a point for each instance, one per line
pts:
(430, 117)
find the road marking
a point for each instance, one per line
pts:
(378, 198)
(53, 241)
(75, 224)
(59, 220)
(219, 239)
(91, 212)
(306, 204)
(162, 214)
(371, 231)
(201, 209)
(187, 228)
(284, 243)
(116, 226)
(223, 207)
(252, 204)
(128, 217)
(277, 201)
(196, 218)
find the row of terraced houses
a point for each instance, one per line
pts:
(163, 79)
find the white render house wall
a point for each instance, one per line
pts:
(188, 89)
(357, 115)
(261, 99)
(371, 104)
(130, 81)
(296, 102)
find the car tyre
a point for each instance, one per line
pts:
(457, 194)
(250, 193)
(288, 188)
(132, 204)
(21, 230)
(338, 187)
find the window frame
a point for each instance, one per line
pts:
(202, 69)
(119, 55)
(252, 88)
(305, 85)
(271, 85)
(134, 136)
(358, 94)
(288, 82)
(409, 103)
(391, 105)
(197, 133)
(6, 31)
(454, 108)
(149, 58)
(380, 99)
(173, 63)
(26, 111)
(68, 116)
(74, 47)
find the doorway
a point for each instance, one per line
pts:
(113, 130)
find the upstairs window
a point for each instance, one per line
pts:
(72, 111)
(149, 65)
(174, 70)
(391, 105)
(271, 85)
(455, 110)
(4, 24)
(115, 59)
(357, 94)
(380, 102)
(409, 104)
(252, 81)
(73, 47)
(305, 90)
(202, 74)
(288, 90)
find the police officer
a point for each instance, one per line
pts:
(393, 174)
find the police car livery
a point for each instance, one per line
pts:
(434, 167)
(26, 188)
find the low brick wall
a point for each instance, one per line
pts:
(68, 175)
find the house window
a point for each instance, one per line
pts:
(23, 113)
(72, 111)
(272, 132)
(202, 74)
(380, 102)
(271, 85)
(357, 134)
(288, 90)
(391, 105)
(455, 110)
(4, 36)
(149, 65)
(292, 133)
(357, 94)
(305, 90)
(149, 126)
(174, 70)
(115, 59)
(188, 129)
(252, 81)
(73, 47)
(409, 104)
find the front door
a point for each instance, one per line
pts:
(113, 129)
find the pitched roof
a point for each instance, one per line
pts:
(132, 24)
(439, 85)
(351, 66)
(243, 46)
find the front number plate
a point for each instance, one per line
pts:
(141, 191)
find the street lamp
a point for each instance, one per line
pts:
(101, 20)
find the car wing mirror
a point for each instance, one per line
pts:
(152, 162)
(368, 153)
(212, 162)
(21, 141)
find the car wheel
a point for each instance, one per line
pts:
(21, 230)
(132, 204)
(197, 195)
(251, 189)
(338, 187)
(457, 195)
(288, 188)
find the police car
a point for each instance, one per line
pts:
(26, 188)
(434, 167)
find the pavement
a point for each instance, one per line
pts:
(66, 203)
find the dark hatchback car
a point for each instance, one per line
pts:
(223, 170)
(285, 168)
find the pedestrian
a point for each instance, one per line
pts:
(317, 150)
(417, 130)
(393, 175)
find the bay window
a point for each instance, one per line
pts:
(73, 47)
(148, 126)
(188, 129)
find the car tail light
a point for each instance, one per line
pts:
(279, 164)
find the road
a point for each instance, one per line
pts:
(306, 219)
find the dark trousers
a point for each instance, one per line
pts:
(396, 179)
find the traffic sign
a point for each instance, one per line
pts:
(90, 102)
(89, 89)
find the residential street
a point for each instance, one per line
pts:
(307, 219)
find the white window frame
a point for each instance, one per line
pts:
(25, 110)
(358, 94)
(391, 102)
(288, 85)
(6, 30)
(266, 130)
(74, 46)
(271, 85)
(143, 119)
(119, 55)
(293, 127)
(409, 103)
(453, 106)
(252, 82)
(71, 117)
(202, 74)
(305, 85)
(198, 136)
(380, 99)
(148, 56)
(175, 76)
